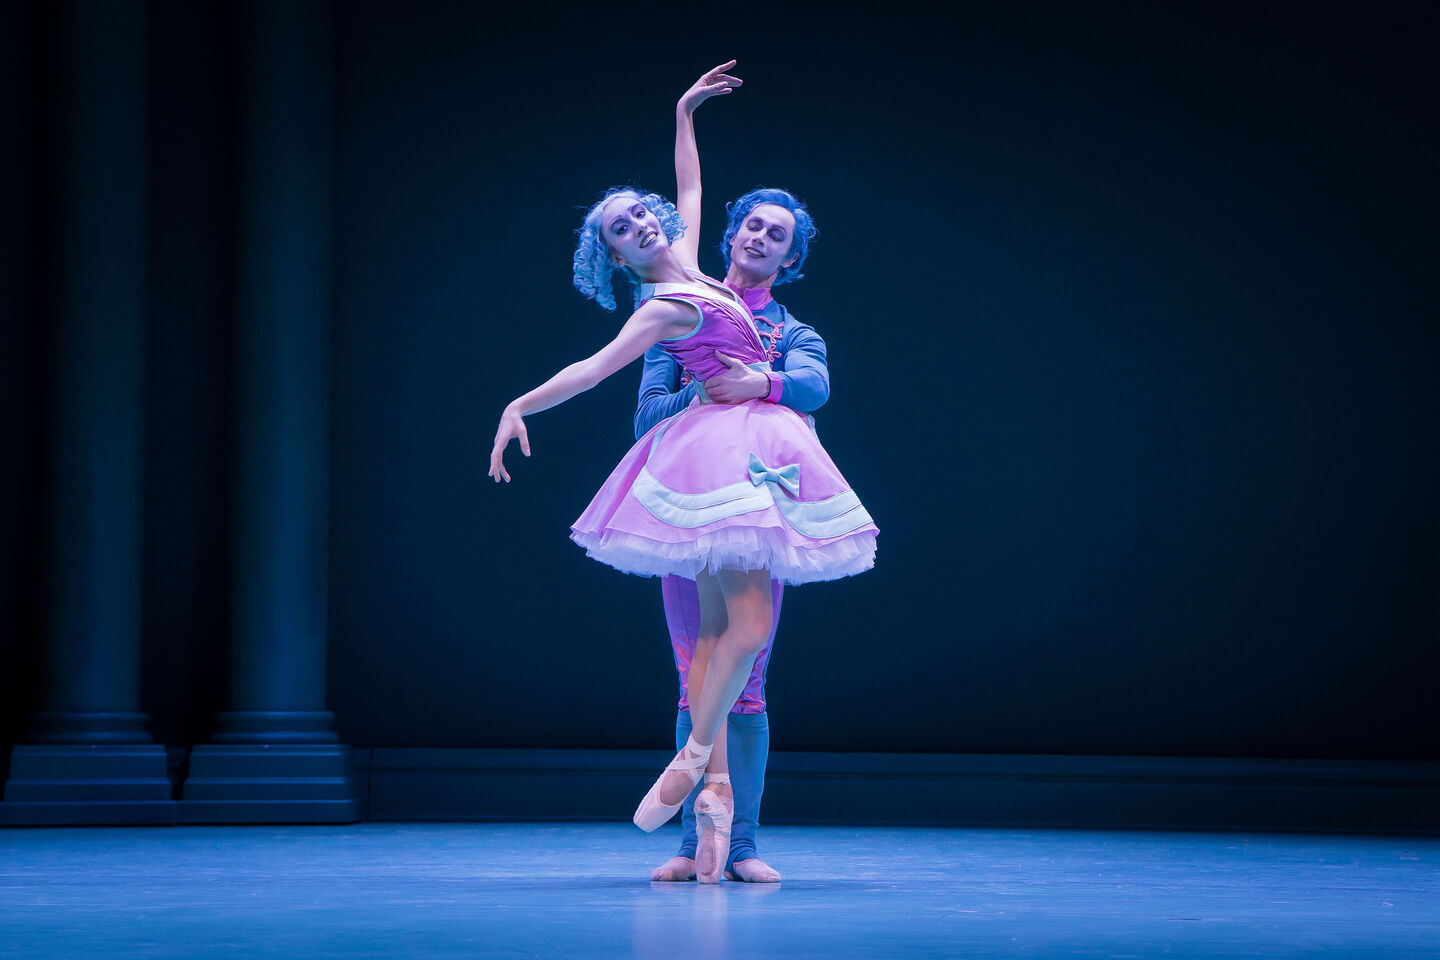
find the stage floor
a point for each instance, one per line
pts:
(582, 891)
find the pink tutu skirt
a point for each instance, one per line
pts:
(729, 486)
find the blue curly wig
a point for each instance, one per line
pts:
(799, 241)
(593, 267)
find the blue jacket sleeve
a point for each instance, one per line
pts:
(661, 395)
(804, 377)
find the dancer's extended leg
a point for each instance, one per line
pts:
(717, 676)
(747, 741)
(747, 605)
(735, 610)
(714, 624)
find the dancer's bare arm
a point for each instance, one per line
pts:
(655, 321)
(714, 83)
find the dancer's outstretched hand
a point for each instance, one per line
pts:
(511, 426)
(714, 83)
(737, 382)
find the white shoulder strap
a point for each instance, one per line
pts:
(651, 290)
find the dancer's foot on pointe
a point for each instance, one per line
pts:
(679, 778)
(674, 870)
(753, 870)
(714, 812)
(673, 786)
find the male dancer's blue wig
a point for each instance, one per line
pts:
(799, 241)
(593, 265)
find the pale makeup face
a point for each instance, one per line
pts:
(761, 245)
(631, 231)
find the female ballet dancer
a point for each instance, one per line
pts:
(729, 495)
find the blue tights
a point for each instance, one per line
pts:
(749, 749)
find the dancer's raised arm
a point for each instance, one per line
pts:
(714, 83)
(654, 321)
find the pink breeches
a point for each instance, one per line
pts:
(682, 616)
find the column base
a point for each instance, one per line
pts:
(270, 783)
(275, 726)
(92, 785)
(86, 727)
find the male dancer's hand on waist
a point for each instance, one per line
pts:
(737, 383)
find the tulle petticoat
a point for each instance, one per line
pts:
(729, 486)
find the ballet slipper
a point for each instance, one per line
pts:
(753, 870)
(653, 812)
(674, 870)
(713, 817)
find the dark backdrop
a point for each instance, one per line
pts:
(1132, 330)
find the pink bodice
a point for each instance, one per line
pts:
(724, 323)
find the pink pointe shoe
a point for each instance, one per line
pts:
(713, 816)
(653, 812)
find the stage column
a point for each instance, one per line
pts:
(88, 759)
(275, 757)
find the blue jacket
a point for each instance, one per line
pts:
(804, 378)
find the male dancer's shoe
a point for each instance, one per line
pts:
(713, 816)
(653, 812)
